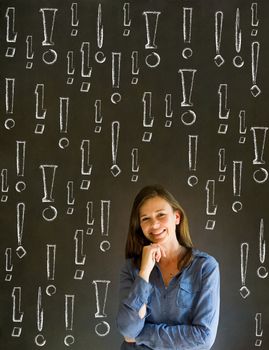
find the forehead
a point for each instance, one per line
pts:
(154, 204)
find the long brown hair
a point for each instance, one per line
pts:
(136, 239)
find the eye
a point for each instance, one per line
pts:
(144, 219)
(161, 215)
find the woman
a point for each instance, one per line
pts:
(169, 291)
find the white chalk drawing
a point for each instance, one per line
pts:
(29, 51)
(105, 218)
(211, 207)
(258, 329)
(218, 59)
(64, 115)
(242, 126)
(98, 118)
(86, 166)
(187, 31)
(126, 19)
(11, 34)
(10, 92)
(48, 18)
(74, 19)
(222, 164)
(244, 250)
(259, 138)
(20, 164)
(51, 263)
(101, 291)
(148, 118)
(255, 53)
(9, 265)
(39, 339)
(86, 69)
(102, 329)
(4, 185)
(40, 111)
(254, 18)
(115, 135)
(192, 152)
(116, 70)
(17, 314)
(80, 256)
(237, 184)
(151, 19)
(20, 251)
(48, 176)
(89, 218)
(70, 67)
(69, 318)
(262, 271)
(168, 110)
(237, 60)
(135, 164)
(223, 97)
(70, 197)
(100, 56)
(135, 67)
(189, 117)
(187, 79)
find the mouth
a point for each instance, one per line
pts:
(158, 234)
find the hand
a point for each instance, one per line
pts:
(129, 340)
(151, 254)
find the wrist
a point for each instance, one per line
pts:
(144, 274)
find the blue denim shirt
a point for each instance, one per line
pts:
(184, 315)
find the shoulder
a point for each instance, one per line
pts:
(204, 260)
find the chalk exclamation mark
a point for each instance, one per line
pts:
(10, 91)
(64, 115)
(89, 218)
(51, 262)
(69, 318)
(74, 19)
(40, 339)
(4, 185)
(48, 175)
(135, 67)
(211, 207)
(126, 19)
(40, 111)
(20, 251)
(86, 166)
(151, 19)
(193, 146)
(116, 69)
(70, 67)
(98, 118)
(101, 291)
(11, 35)
(259, 139)
(17, 314)
(262, 271)
(244, 291)
(187, 31)
(237, 184)
(20, 164)
(258, 329)
(237, 60)
(105, 218)
(218, 59)
(254, 18)
(242, 126)
(70, 197)
(224, 111)
(86, 69)
(135, 165)
(48, 17)
(115, 134)
(168, 110)
(148, 119)
(100, 56)
(9, 265)
(29, 52)
(255, 53)
(80, 256)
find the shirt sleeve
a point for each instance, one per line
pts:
(201, 333)
(134, 293)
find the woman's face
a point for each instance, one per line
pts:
(158, 220)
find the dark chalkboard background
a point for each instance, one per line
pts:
(88, 85)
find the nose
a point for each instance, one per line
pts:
(155, 223)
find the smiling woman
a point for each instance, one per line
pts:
(169, 291)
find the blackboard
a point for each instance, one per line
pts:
(97, 100)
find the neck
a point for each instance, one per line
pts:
(173, 252)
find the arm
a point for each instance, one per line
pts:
(134, 295)
(200, 335)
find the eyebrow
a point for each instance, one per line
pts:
(156, 211)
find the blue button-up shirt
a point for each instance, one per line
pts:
(184, 315)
